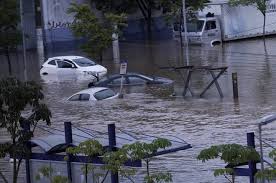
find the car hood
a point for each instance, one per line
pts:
(94, 68)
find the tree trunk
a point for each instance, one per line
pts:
(14, 164)
(149, 23)
(7, 53)
(180, 28)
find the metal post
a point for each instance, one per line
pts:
(184, 20)
(261, 150)
(112, 146)
(23, 39)
(27, 129)
(251, 164)
(68, 141)
(235, 85)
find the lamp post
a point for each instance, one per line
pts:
(185, 31)
(264, 121)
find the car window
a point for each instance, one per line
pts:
(210, 25)
(104, 94)
(52, 62)
(75, 98)
(84, 62)
(62, 64)
(117, 81)
(136, 80)
(84, 97)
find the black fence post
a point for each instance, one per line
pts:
(251, 164)
(27, 129)
(112, 147)
(68, 141)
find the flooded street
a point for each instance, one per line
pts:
(202, 122)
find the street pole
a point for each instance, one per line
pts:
(185, 20)
(185, 31)
(23, 39)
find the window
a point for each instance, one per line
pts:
(84, 97)
(195, 26)
(210, 25)
(84, 62)
(104, 94)
(75, 98)
(117, 81)
(80, 97)
(52, 62)
(62, 64)
(136, 80)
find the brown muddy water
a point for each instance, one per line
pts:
(202, 122)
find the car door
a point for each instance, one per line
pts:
(211, 31)
(65, 69)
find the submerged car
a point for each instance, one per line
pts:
(72, 65)
(94, 94)
(130, 79)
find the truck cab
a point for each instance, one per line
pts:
(204, 30)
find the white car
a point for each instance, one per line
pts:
(94, 94)
(72, 65)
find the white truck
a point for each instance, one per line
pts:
(228, 23)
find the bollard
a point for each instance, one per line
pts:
(235, 85)
(112, 146)
(68, 141)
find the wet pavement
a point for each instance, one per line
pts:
(153, 110)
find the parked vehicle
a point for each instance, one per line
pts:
(94, 94)
(130, 79)
(72, 65)
(228, 23)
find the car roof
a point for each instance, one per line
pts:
(91, 91)
(66, 57)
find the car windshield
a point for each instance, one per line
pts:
(84, 62)
(195, 25)
(104, 94)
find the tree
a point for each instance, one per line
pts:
(20, 105)
(232, 154)
(268, 174)
(10, 36)
(97, 33)
(146, 7)
(145, 151)
(259, 4)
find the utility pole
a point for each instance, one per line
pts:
(23, 39)
(185, 20)
(185, 31)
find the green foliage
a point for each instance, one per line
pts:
(268, 174)
(158, 178)
(20, 102)
(46, 171)
(232, 154)
(97, 33)
(9, 35)
(147, 7)
(90, 148)
(142, 150)
(259, 4)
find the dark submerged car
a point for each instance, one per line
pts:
(130, 79)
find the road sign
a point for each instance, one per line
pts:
(123, 68)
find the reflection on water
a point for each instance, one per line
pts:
(201, 122)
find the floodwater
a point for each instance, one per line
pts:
(202, 122)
